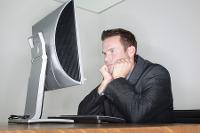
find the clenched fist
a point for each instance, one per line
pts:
(121, 68)
(107, 77)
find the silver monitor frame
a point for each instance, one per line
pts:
(35, 94)
(42, 46)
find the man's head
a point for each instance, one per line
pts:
(117, 44)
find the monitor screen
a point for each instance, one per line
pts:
(64, 67)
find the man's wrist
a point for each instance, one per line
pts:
(103, 85)
(105, 82)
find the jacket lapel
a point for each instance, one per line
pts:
(137, 70)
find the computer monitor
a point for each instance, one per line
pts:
(56, 60)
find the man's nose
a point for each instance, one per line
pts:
(107, 59)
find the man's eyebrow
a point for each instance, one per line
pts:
(103, 52)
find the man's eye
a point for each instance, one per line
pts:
(112, 50)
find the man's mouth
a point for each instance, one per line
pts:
(110, 68)
(109, 65)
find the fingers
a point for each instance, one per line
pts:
(104, 72)
(103, 69)
(123, 61)
(121, 68)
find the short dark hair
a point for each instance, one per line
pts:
(126, 37)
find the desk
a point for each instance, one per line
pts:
(100, 128)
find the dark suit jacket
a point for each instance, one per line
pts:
(146, 97)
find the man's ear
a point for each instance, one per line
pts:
(131, 51)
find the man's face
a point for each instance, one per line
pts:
(113, 50)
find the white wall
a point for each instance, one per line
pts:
(167, 33)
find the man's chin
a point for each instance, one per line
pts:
(110, 71)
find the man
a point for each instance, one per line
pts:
(132, 88)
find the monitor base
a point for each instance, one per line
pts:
(33, 121)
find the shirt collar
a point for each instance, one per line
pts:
(129, 74)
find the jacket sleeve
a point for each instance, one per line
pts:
(92, 104)
(138, 107)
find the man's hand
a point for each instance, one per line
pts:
(107, 77)
(121, 68)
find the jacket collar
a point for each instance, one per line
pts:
(138, 69)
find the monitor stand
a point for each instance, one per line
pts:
(35, 93)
